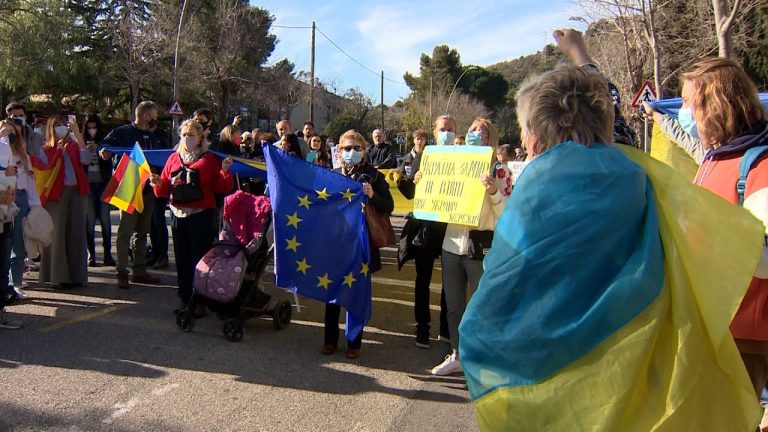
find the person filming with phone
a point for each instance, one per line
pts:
(64, 261)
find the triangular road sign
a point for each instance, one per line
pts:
(646, 94)
(175, 109)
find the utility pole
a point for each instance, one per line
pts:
(312, 76)
(382, 102)
(176, 72)
(429, 120)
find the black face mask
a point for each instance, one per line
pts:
(17, 121)
(152, 123)
(205, 125)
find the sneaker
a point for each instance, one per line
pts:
(92, 263)
(8, 324)
(30, 265)
(422, 340)
(450, 365)
(444, 339)
(123, 282)
(20, 294)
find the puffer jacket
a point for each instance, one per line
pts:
(719, 173)
(38, 231)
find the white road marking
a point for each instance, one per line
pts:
(123, 408)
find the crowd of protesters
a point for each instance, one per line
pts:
(715, 134)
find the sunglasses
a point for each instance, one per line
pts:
(348, 148)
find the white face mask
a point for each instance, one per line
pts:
(60, 131)
(92, 132)
(190, 143)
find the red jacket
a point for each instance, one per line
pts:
(212, 179)
(55, 155)
(719, 173)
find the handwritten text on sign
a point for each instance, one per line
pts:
(450, 189)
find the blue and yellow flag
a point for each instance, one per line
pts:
(321, 238)
(605, 302)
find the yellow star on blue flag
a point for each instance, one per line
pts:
(329, 231)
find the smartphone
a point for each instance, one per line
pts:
(72, 119)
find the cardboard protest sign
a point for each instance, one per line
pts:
(450, 189)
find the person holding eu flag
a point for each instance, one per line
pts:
(352, 148)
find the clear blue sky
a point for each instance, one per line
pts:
(391, 35)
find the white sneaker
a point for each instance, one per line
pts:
(21, 295)
(450, 365)
(31, 265)
(444, 339)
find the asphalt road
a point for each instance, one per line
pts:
(104, 359)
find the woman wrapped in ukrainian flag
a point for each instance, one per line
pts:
(608, 292)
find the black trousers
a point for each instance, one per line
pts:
(6, 243)
(332, 313)
(425, 261)
(158, 231)
(192, 238)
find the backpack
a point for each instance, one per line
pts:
(748, 161)
(220, 273)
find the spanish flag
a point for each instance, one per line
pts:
(124, 188)
(46, 175)
(606, 301)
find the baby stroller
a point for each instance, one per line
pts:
(227, 278)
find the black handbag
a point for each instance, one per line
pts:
(185, 185)
(479, 244)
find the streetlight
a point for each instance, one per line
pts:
(456, 85)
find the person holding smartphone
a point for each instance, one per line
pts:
(99, 172)
(64, 261)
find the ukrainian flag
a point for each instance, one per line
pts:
(606, 300)
(125, 187)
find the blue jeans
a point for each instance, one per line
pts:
(98, 210)
(19, 250)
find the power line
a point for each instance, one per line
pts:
(291, 27)
(354, 59)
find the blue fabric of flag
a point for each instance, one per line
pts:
(575, 257)
(157, 159)
(672, 106)
(321, 238)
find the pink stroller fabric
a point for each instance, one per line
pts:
(246, 215)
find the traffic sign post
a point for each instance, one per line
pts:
(175, 109)
(646, 94)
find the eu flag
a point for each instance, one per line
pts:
(321, 238)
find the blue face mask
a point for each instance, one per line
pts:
(445, 138)
(687, 122)
(474, 138)
(352, 157)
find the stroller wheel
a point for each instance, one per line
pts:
(281, 315)
(233, 331)
(185, 320)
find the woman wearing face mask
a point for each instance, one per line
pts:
(464, 247)
(424, 241)
(352, 147)
(26, 197)
(99, 172)
(721, 107)
(193, 204)
(444, 131)
(64, 261)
